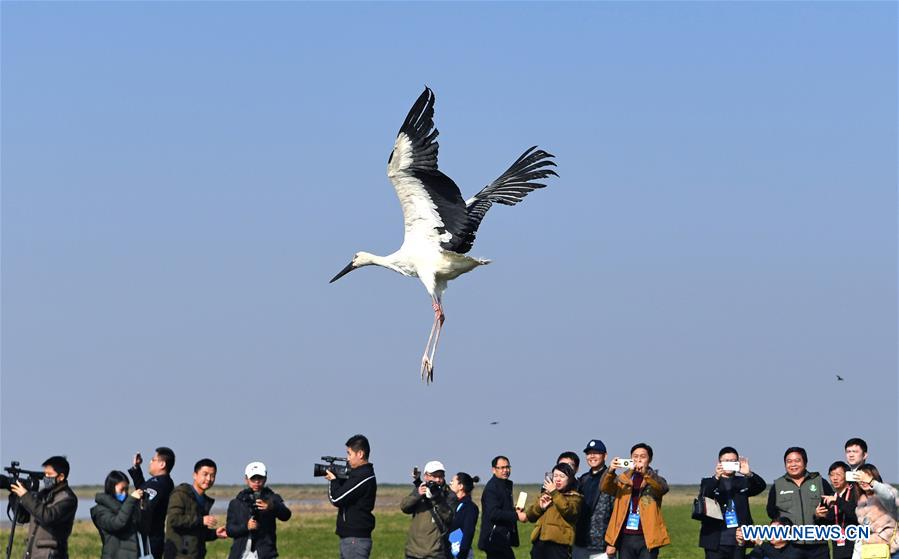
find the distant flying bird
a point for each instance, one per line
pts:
(494, 423)
(839, 378)
(440, 225)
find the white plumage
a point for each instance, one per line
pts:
(440, 226)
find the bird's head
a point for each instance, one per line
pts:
(359, 259)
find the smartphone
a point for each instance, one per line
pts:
(626, 463)
(730, 466)
(416, 473)
(852, 476)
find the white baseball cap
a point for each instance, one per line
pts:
(434, 466)
(255, 469)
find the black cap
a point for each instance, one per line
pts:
(595, 445)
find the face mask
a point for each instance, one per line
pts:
(121, 497)
(48, 482)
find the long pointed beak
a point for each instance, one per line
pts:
(349, 268)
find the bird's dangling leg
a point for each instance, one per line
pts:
(427, 360)
(439, 318)
(427, 370)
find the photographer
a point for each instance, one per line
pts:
(252, 514)
(52, 511)
(718, 537)
(636, 529)
(156, 490)
(188, 522)
(431, 514)
(556, 513)
(354, 498)
(117, 517)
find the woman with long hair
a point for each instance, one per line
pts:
(117, 516)
(877, 509)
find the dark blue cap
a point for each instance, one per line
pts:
(596, 446)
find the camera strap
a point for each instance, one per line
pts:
(144, 553)
(437, 520)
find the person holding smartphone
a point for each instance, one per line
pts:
(636, 529)
(555, 512)
(718, 537)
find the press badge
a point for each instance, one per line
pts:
(730, 518)
(633, 520)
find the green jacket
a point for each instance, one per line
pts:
(798, 502)
(118, 524)
(556, 524)
(430, 520)
(185, 533)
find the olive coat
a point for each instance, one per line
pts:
(558, 521)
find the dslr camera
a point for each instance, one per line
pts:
(250, 500)
(341, 471)
(436, 490)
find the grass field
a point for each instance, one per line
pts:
(310, 533)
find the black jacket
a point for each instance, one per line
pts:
(768, 551)
(595, 512)
(465, 519)
(157, 490)
(842, 513)
(264, 539)
(499, 527)
(118, 523)
(741, 489)
(354, 498)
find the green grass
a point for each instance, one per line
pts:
(310, 533)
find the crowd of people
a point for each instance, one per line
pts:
(609, 510)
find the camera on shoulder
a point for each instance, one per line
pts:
(341, 471)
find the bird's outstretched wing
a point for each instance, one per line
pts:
(433, 208)
(509, 188)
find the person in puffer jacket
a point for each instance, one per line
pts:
(117, 517)
(877, 508)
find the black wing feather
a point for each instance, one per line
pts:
(509, 189)
(419, 127)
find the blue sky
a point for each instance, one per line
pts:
(180, 181)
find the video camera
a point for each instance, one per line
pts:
(32, 482)
(340, 471)
(30, 479)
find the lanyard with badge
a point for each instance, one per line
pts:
(730, 515)
(836, 516)
(633, 516)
